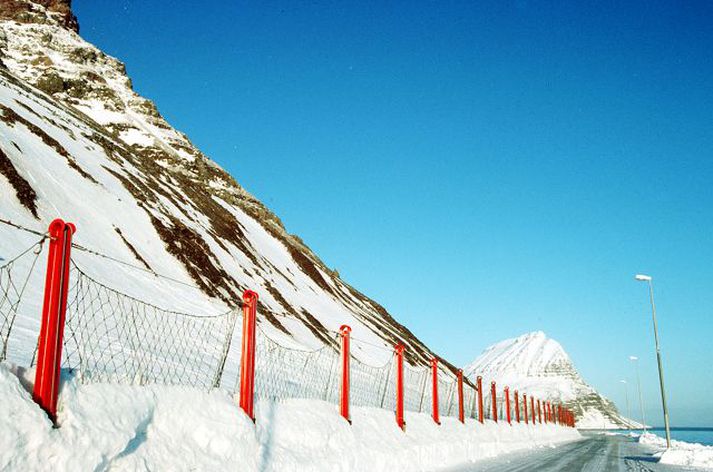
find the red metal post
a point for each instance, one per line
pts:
(494, 400)
(532, 408)
(400, 386)
(507, 405)
(344, 331)
(524, 401)
(434, 377)
(247, 357)
(480, 398)
(54, 311)
(461, 410)
(539, 411)
(517, 406)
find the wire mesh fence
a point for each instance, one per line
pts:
(470, 401)
(113, 337)
(372, 386)
(14, 276)
(447, 396)
(284, 372)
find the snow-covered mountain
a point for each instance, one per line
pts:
(539, 366)
(77, 142)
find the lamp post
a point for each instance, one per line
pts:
(646, 278)
(626, 394)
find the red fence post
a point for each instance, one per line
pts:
(507, 404)
(344, 331)
(532, 408)
(54, 311)
(539, 411)
(400, 386)
(524, 401)
(461, 410)
(434, 377)
(479, 381)
(494, 400)
(247, 357)
(517, 407)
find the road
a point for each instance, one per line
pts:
(592, 454)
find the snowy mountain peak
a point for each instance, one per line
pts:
(539, 366)
(532, 354)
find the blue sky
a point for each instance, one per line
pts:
(481, 170)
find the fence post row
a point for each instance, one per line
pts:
(461, 409)
(247, 358)
(434, 376)
(507, 405)
(480, 398)
(54, 311)
(400, 386)
(517, 407)
(494, 400)
(344, 331)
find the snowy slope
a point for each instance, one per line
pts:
(539, 366)
(77, 142)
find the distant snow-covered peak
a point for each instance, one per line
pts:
(539, 366)
(532, 354)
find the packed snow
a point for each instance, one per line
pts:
(105, 427)
(681, 453)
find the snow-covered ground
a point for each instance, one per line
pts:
(681, 453)
(110, 427)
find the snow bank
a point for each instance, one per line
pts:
(681, 453)
(176, 428)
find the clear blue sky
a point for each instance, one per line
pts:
(483, 169)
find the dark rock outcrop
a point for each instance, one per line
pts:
(40, 11)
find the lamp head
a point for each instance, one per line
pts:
(643, 278)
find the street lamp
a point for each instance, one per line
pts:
(647, 278)
(635, 360)
(628, 410)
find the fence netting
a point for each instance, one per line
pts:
(14, 276)
(470, 401)
(113, 337)
(283, 372)
(417, 389)
(372, 386)
(447, 395)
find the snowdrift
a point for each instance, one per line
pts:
(681, 453)
(114, 427)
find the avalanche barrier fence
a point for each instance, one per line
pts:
(102, 335)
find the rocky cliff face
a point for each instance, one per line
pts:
(539, 366)
(77, 141)
(40, 11)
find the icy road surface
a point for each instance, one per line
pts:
(593, 453)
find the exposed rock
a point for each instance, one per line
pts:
(40, 11)
(23, 190)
